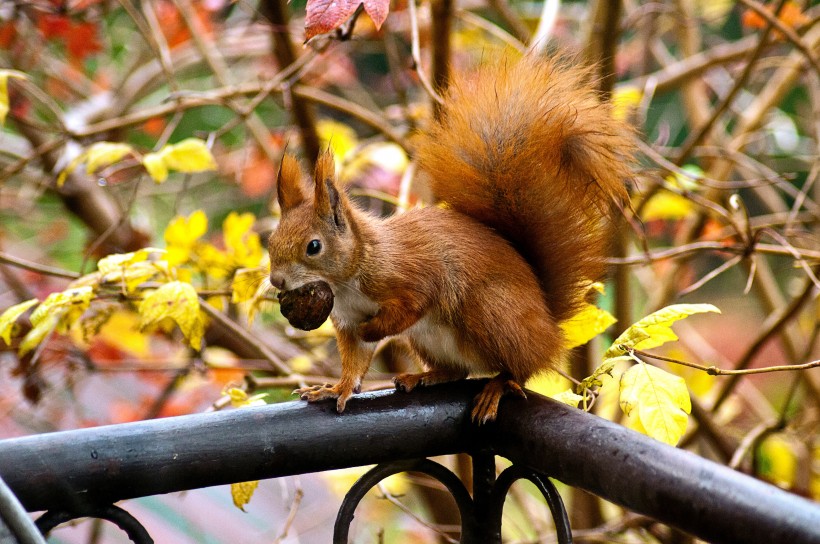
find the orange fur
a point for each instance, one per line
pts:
(529, 162)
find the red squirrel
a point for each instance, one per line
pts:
(527, 162)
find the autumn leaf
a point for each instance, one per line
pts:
(242, 493)
(655, 329)
(666, 205)
(56, 313)
(777, 461)
(657, 401)
(341, 138)
(188, 156)
(588, 323)
(102, 154)
(790, 15)
(624, 100)
(4, 91)
(325, 15)
(179, 302)
(242, 243)
(568, 397)
(181, 236)
(9, 318)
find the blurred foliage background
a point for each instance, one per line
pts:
(725, 210)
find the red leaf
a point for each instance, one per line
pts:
(8, 32)
(53, 26)
(326, 15)
(82, 41)
(377, 9)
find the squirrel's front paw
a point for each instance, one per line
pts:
(316, 393)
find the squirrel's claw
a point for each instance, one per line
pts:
(485, 407)
(315, 393)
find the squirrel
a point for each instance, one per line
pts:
(526, 162)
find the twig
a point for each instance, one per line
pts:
(415, 53)
(246, 336)
(36, 267)
(715, 371)
(788, 32)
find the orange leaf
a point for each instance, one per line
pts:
(790, 15)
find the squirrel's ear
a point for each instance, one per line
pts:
(289, 189)
(328, 201)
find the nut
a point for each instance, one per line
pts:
(308, 306)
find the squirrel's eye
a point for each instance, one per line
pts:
(314, 247)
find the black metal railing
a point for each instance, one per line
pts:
(74, 472)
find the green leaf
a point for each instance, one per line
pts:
(9, 318)
(658, 400)
(179, 302)
(655, 329)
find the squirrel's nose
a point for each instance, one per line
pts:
(277, 280)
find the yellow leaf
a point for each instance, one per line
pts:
(667, 205)
(777, 461)
(242, 493)
(548, 383)
(179, 302)
(604, 369)
(181, 235)
(385, 156)
(624, 100)
(247, 282)
(586, 325)
(10, 316)
(67, 305)
(77, 161)
(241, 241)
(117, 261)
(57, 312)
(154, 164)
(102, 154)
(189, 156)
(4, 91)
(340, 137)
(39, 331)
(655, 329)
(122, 330)
(660, 401)
(215, 262)
(568, 397)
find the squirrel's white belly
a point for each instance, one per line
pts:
(351, 306)
(440, 342)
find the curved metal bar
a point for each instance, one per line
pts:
(547, 489)
(341, 529)
(116, 515)
(14, 522)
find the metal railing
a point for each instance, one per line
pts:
(83, 472)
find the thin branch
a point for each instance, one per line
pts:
(35, 267)
(715, 371)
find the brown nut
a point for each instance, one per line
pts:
(308, 306)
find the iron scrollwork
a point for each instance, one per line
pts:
(480, 514)
(116, 515)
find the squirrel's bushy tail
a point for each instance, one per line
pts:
(528, 148)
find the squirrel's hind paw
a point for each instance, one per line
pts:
(485, 407)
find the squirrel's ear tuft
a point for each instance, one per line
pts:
(328, 200)
(290, 191)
